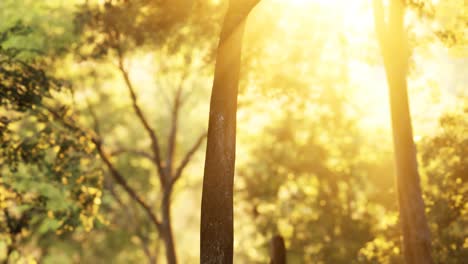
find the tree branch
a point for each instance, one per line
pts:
(114, 172)
(122, 182)
(188, 157)
(174, 125)
(142, 118)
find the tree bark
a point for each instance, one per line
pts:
(277, 250)
(216, 231)
(393, 42)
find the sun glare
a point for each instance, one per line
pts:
(322, 2)
(347, 27)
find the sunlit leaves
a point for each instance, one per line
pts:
(447, 20)
(44, 186)
(445, 168)
(22, 85)
(306, 170)
(51, 28)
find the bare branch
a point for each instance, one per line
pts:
(174, 124)
(188, 157)
(142, 118)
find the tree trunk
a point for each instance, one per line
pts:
(393, 42)
(166, 229)
(277, 250)
(216, 231)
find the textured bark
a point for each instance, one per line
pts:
(393, 42)
(216, 232)
(277, 250)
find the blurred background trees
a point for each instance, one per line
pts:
(314, 153)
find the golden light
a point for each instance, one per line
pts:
(347, 28)
(322, 2)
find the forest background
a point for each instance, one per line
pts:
(82, 180)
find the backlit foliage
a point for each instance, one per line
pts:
(314, 159)
(50, 182)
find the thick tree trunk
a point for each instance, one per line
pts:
(393, 41)
(216, 232)
(217, 199)
(166, 233)
(277, 250)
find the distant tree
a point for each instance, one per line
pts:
(110, 33)
(394, 46)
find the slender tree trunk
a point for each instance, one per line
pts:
(168, 237)
(393, 42)
(216, 234)
(277, 250)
